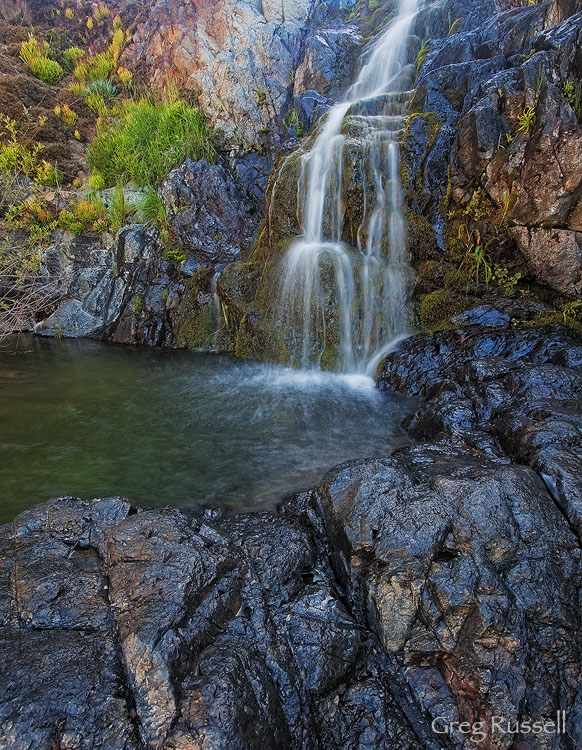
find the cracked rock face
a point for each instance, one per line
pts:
(125, 629)
(240, 57)
(481, 82)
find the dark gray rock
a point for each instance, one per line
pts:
(127, 629)
(210, 216)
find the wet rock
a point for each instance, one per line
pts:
(454, 558)
(484, 315)
(151, 629)
(517, 388)
(482, 83)
(210, 217)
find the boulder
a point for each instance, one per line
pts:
(210, 217)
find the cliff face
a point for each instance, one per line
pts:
(507, 156)
(491, 153)
(248, 61)
(491, 165)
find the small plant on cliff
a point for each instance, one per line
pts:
(573, 93)
(294, 122)
(71, 56)
(525, 120)
(422, 55)
(454, 26)
(17, 159)
(119, 210)
(142, 140)
(507, 282)
(66, 114)
(103, 87)
(152, 211)
(476, 261)
(36, 56)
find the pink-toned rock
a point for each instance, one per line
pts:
(554, 256)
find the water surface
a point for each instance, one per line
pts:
(176, 428)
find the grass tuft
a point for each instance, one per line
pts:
(142, 140)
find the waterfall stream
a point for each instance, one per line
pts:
(347, 301)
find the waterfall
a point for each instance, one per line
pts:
(348, 301)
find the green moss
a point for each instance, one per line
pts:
(569, 315)
(438, 307)
(195, 324)
(421, 236)
(458, 278)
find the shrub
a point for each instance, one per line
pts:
(35, 55)
(103, 87)
(30, 213)
(142, 140)
(66, 114)
(32, 49)
(101, 14)
(85, 216)
(46, 174)
(96, 182)
(47, 70)
(17, 158)
(96, 103)
(125, 76)
(72, 56)
(96, 67)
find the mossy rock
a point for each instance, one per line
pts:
(421, 237)
(438, 307)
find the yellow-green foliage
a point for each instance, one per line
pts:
(72, 56)
(96, 104)
(142, 140)
(569, 314)
(84, 216)
(66, 114)
(525, 120)
(437, 308)
(95, 67)
(573, 93)
(422, 55)
(119, 211)
(17, 158)
(36, 56)
(101, 14)
(125, 76)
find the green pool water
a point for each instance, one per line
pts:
(175, 428)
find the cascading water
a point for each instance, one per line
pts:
(351, 299)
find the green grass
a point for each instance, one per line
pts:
(151, 209)
(140, 141)
(119, 211)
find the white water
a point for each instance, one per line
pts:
(353, 299)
